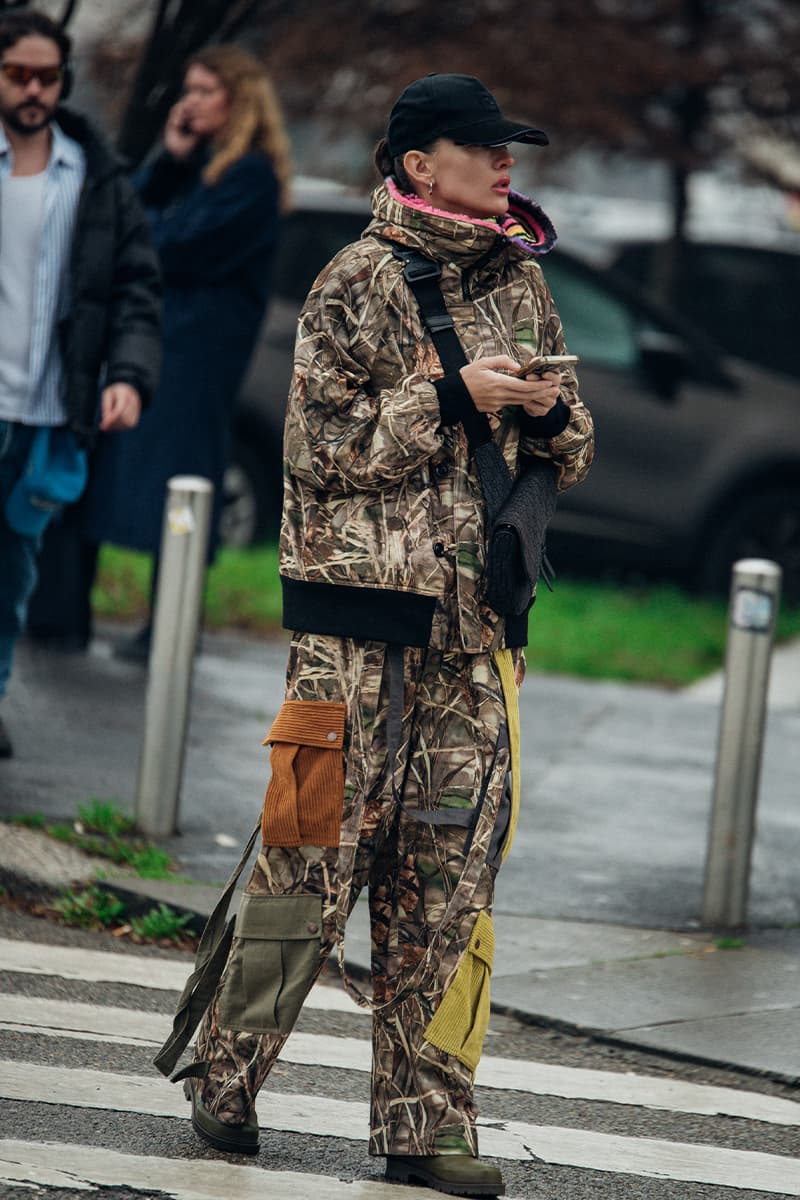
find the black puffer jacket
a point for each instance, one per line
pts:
(114, 322)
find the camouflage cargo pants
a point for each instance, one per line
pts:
(425, 838)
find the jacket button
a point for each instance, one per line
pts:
(477, 943)
(438, 549)
(312, 927)
(332, 736)
(441, 470)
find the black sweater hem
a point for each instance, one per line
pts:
(364, 613)
(370, 614)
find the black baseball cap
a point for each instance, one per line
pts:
(458, 107)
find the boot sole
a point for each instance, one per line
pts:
(219, 1141)
(400, 1173)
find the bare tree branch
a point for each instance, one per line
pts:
(68, 13)
(670, 80)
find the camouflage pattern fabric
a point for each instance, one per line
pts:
(427, 881)
(377, 492)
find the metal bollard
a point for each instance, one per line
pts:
(184, 545)
(755, 593)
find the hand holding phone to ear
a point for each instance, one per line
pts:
(179, 139)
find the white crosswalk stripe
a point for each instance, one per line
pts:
(88, 1021)
(99, 966)
(513, 1140)
(66, 1166)
(86, 1167)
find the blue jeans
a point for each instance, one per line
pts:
(17, 553)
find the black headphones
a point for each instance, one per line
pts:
(67, 78)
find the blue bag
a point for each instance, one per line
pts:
(55, 475)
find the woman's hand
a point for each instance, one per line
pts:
(179, 141)
(538, 405)
(492, 390)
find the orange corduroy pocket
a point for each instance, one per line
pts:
(303, 803)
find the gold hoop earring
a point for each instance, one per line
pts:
(431, 186)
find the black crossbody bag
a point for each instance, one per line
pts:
(518, 512)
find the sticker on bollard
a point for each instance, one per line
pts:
(752, 610)
(181, 520)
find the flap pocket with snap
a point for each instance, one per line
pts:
(273, 963)
(305, 794)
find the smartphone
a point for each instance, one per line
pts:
(545, 362)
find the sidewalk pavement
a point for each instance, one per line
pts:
(597, 906)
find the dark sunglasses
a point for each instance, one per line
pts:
(22, 76)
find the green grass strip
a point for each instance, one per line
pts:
(638, 634)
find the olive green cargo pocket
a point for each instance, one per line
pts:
(305, 794)
(460, 1022)
(276, 952)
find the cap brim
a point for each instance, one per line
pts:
(497, 132)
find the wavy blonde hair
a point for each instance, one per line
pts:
(255, 121)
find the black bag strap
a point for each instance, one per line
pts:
(422, 274)
(212, 954)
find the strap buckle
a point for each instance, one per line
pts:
(418, 267)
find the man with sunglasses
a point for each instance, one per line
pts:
(79, 289)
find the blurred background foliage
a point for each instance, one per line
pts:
(682, 82)
(646, 633)
(687, 86)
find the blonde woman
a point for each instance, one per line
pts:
(213, 196)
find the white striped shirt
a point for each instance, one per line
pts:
(42, 401)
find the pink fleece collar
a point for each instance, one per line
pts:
(524, 224)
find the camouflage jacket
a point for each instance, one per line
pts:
(383, 534)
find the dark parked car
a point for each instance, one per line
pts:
(698, 454)
(744, 297)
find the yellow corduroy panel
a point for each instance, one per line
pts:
(505, 667)
(460, 1022)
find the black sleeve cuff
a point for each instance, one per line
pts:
(455, 404)
(550, 424)
(454, 398)
(133, 378)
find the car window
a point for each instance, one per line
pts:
(597, 325)
(309, 239)
(740, 295)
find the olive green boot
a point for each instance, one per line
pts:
(453, 1174)
(233, 1139)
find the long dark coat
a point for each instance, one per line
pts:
(216, 248)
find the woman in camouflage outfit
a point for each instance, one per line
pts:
(392, 755)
